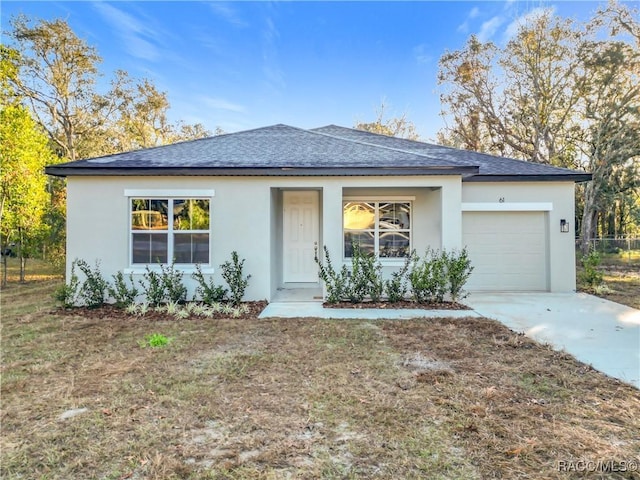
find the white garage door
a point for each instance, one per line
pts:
(507, 250)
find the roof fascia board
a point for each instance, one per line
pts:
(194, 171)
(574, 177)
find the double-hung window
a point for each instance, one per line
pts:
(165, 230)
(380, 227)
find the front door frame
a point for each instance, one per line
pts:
(308, 230)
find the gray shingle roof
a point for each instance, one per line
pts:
(285, 150)
(490, 165)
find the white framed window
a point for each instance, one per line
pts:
(169, 229)
(381, 227)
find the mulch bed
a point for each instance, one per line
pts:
(405, 304)
(111, 311)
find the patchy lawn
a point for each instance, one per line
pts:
(621, 278)
(294, 398)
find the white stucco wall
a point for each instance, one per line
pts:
(245, 218)
(561, 246)
(244, 212)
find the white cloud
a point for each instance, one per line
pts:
(489, 28)
(271, 67)
(228, 13)
(464, 27)
(512, 30)
(422, 54)
(217, 103)
(140, 39)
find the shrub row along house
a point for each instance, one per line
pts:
(277, 193)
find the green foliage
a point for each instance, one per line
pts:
(363, 280)
(67, 294)
(24, 150)
(93, 291)
(591, 275)
(458, 270)
(208, 291)
(337, 283)
(123, 294)
(153, 287)
(175, 291)
(428, 277)
(156, 340)
(439, 273)
(163, 287)
(237, 282)
(396, 286)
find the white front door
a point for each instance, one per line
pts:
(300, 235)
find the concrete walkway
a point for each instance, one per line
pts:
(316, 310)
(604, 334)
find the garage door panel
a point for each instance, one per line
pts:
(507, 250)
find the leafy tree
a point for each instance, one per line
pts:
(393, 127)
(55, 73)
(24, 152)
(610, 142)
(555, 94)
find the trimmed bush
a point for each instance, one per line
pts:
(232, 274)
(208, 291)
(121, 292)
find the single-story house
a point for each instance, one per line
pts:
(274, 194)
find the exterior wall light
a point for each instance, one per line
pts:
(564, 226)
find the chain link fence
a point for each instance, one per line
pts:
(625, 248)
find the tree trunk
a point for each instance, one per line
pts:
(4, 270)
(589, 219)
(20, 255)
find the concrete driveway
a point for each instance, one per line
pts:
(598, 332)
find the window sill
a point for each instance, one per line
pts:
(187, 269)
(384, 262)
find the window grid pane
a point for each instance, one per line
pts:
(389, 228)
(158, 218)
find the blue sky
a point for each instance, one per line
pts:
(241, 65)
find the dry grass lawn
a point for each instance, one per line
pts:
(293, 398)
(622, 276)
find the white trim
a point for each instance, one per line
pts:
(376, 230)
(170, 232)
(141, 268)
(379, 198)
(507, 207)
(147, 193)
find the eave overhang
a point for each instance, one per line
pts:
(570, 177)
(69, 171)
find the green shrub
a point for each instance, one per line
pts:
(365, 277)
(152, 287)
(428, 277)
(591, 275)
(337, 283)
(458, 271)
(122, 293)
(233, 275)
(174, 289)
(209, 292)
(396, 287)
(93, 291)
(164, 286)
(67, 294)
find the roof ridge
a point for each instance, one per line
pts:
(393, 149)
(455, 149)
